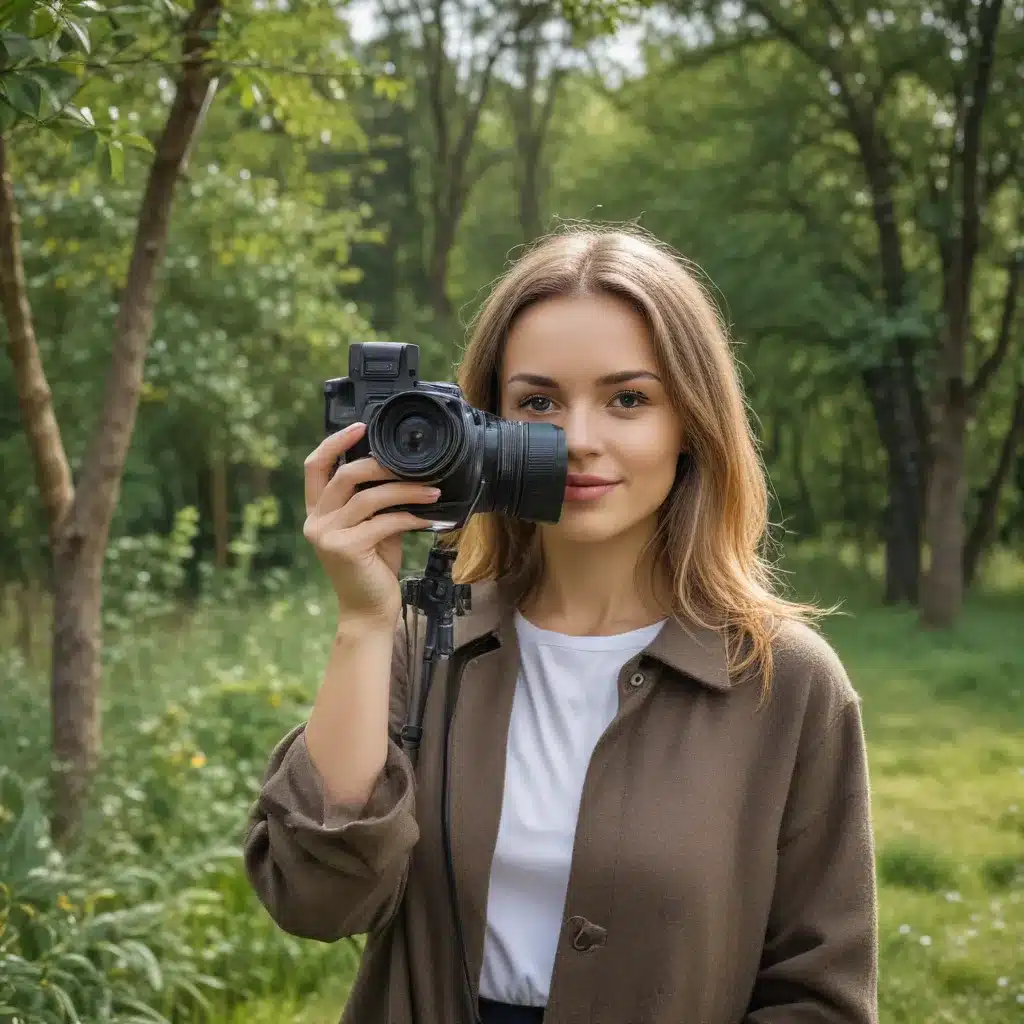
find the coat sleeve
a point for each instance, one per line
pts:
(326, 871)
(819, 963)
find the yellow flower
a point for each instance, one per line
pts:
(198, 760)
(64, 903)
(275, 700)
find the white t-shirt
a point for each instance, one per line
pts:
(566, 697)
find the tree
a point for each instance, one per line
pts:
(926, 97)
(540, 52)
(80, 511)
(246, 51)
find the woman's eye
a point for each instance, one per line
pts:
(536, 403)
(630, 399)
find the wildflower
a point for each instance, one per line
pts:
(198, 760)
(904, 929)
(275, 700)
(926, 940)
(64, 903)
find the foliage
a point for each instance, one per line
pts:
(145, 576)
(102, 947)
(152, 919)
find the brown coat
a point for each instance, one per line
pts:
(723, 866)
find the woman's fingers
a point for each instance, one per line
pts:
(362, 539)
(320, 462)
(367, 503)
(342, 486)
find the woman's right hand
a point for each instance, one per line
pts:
(361, 552)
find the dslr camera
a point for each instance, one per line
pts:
(428, 433)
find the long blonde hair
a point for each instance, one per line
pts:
(713, 526)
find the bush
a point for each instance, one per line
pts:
(153, 918)
(103, 949)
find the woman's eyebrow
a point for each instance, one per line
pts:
(622, 377)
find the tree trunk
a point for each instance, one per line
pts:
(437, 283)
(942, 597)
(984, 528)
(79, 518)
(219, 503)
(529, 195)
(942, 589)
(903, 514)
(75, 678)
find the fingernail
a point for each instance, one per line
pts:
(434, 492)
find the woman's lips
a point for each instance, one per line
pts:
(580, 487)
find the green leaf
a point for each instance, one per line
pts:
(84, 144)
(45, 23)
(15, 12)
(65, 1002)
(58, 85)
(111, 160)
(84, 116)
(20, 47)
(80, 31)
(136, 142)
(143, 958)
(8, 116)
(23, 94)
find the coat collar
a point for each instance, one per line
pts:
(689, 649)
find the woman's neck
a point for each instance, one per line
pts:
(598, 590)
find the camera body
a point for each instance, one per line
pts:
(428, 433)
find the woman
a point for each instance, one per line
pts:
(657, 780)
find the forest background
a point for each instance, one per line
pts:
(204, 204)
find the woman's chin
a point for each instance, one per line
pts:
(586, 527)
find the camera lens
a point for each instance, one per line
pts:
(531, 464)
(415, 436)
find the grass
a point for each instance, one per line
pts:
(944, 716)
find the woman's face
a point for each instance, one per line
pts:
(588, 365)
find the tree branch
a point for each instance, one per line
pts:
(971, 216)
(97, 492)
(53, 473)
(464, 144)
(990, 366)
(984, 525)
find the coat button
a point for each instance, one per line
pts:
(636, 680)
(586, 935)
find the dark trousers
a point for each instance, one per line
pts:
(506, 1013)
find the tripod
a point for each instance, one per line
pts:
(440, 599)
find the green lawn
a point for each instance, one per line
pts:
(189, 720)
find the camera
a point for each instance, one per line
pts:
(428, 433)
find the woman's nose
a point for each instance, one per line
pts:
(581, 433)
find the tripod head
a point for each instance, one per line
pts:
(440, 599)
